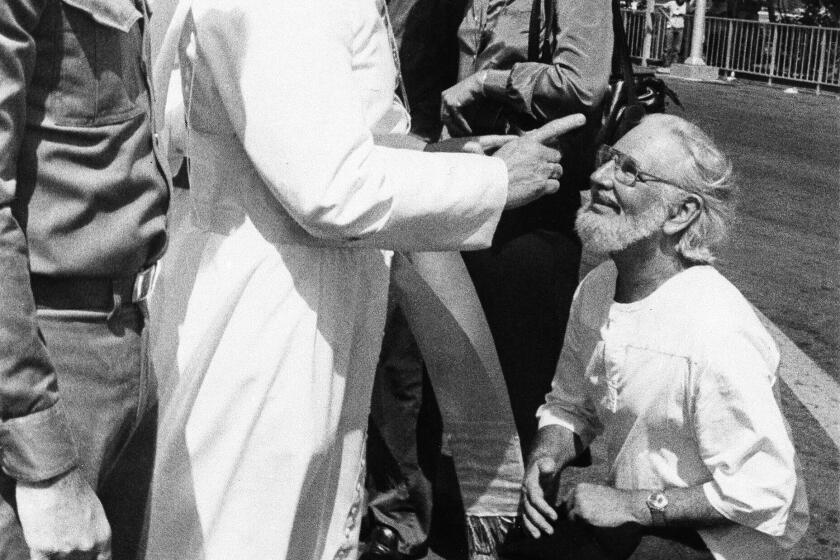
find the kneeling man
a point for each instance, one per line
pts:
(666, 360)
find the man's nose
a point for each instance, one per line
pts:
(603, 176)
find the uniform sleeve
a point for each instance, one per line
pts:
(288, 89)
(34, 438)
(741, 434)
(568, 404)
(578, 79)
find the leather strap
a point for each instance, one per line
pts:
(92, 293)
(621, 57)
(550, 21)
(541, 51)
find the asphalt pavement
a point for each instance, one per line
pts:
(784, 255)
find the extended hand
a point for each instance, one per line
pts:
(540, 482)
(471, 144)
(63, 519)
(455, 99)
(601, 506)
(534, 169)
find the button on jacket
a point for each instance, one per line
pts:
(82, 190)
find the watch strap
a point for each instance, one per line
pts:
(656, 503)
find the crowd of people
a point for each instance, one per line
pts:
(381, 233)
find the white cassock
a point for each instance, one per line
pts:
(268, 317)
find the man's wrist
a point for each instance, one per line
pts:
(636, 508)
(494, 83)
(656, 503)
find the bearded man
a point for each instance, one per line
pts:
(666, 360)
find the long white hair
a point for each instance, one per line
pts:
(706, 172)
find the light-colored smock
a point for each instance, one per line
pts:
(270, 310)
(681, 384)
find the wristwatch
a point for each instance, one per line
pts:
(656, 503)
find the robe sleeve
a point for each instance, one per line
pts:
(285, 71)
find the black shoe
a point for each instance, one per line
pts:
(383, 544)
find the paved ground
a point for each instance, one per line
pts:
(785, 257)
(784, 254)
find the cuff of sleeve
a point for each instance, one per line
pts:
(773, 527)
(518, 91)
(547, 416)
(38, 446)
(495, 173)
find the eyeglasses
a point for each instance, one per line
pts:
(626, 169)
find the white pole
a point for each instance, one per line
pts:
(698, 34)
(648, 32)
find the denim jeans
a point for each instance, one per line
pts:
(673, 45)
(108, 392)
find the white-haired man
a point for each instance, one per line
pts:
(666, 359)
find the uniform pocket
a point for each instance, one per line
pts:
(100, 75)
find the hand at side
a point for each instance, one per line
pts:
(62, 518)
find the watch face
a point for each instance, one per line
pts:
(657, 500)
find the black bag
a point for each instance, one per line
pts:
(630, 96)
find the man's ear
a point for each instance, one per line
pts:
(683, 214)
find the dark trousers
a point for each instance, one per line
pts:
(404, 438)
(525, 285)
(673, 45)
(575, 540)
(108, 392)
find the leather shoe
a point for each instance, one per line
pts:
(383, 544)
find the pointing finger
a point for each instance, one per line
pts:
(550, 131)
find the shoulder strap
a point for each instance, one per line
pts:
(534, 32)
(550, 22)
(621, 58)
(537, 51)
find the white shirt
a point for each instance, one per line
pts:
(676, 14)
(681, 383)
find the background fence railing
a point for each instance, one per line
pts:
(777, 51)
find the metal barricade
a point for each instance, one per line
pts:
(777, 51)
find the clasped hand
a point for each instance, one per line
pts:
(595, 504)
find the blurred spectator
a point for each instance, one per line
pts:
(675, 11)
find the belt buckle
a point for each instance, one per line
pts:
(144, 284)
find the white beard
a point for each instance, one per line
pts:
(603, 234)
